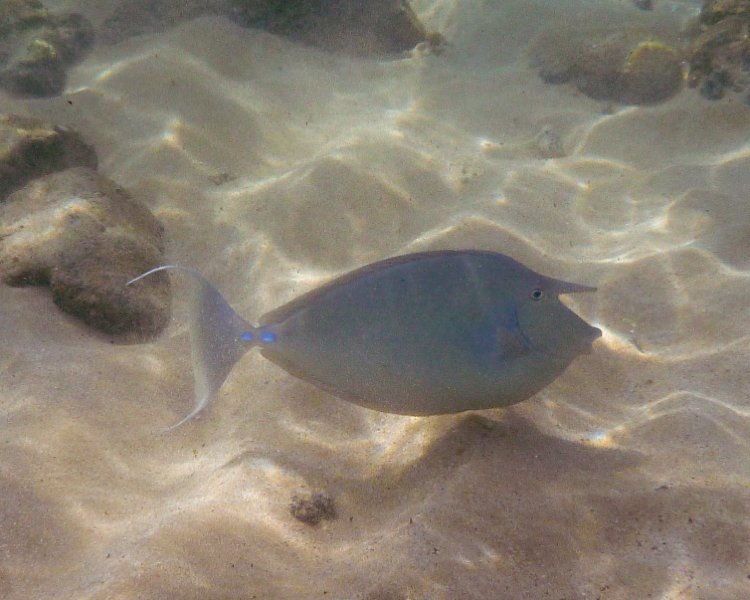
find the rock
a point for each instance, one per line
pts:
(715, 84)
(85, 237)
(30, 148)
(313, 509)
(71, 35)
(714, 11)
(360, 27)
(720, 52)
(36, 47)
(138, 17)
(619, 66)
(18, 15)
(36, 69)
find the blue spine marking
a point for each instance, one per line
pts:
(269, 337)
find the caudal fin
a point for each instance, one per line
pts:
(218, 338)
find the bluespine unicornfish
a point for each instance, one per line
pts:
(421, 334)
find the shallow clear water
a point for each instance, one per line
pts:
(274, 167)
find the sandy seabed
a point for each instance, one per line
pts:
(275, 167)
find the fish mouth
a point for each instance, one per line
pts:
(594, 334)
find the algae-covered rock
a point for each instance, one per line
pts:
(37, 46)
(356, 26)
(84, 237)
(36, 69)
(714, 11)
(30, 148)
(720, 52)
(618, 66)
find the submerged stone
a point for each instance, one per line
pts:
(617, 66)
(720, 52)
(36, 47)
(356, 26)
(31, 148)
(138, 17)
(18, 15)
(714, 11)
(84, 237)
(359, 27)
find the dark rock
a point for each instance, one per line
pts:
(72, 35)
(30, 148)
(36, 69)
(85, 237)
(720, 52)
(715, 85)
(618, 66)
(19, 15)
(357, 26)
(362, 27)
(714, 11)
(313, 509)
(138, 17)
(36, 47)
(644, 4)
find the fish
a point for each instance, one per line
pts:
(420, 334)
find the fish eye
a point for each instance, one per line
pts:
(536, 294)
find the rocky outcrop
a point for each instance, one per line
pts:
(37, 46)
(616, 66)
(720, 53)
(360, 27)
(30, 148)
(85, 237)
(67, 227)
(356, 26)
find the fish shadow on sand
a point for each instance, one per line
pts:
(491, 505)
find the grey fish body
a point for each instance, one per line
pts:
(421, 334)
